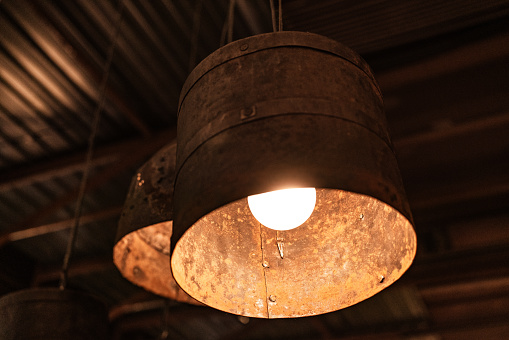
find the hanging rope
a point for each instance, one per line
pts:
(280, 10)
(195, 34)
(273, 14)
(276, 27)
(228, 25)
(88, 162)
(231, 11)
(165, 334)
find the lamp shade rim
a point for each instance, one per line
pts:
(385, 236)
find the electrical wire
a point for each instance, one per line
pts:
(88, 162)
(273, 14)
(165, 333)
(276, 26)
(227, 32)
(231, 12)
(195, 34)
(280, 10)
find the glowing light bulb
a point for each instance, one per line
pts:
(283, 209)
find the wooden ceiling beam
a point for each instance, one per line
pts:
(29, 232)
(44, 275)
(65, 164)
(131, 157)
(458, 266)
(463, 57)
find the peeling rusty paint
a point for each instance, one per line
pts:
(290, 110)
(142, 250)
(329, 263)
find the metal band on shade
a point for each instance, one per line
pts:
(142, 247)
(280, 110)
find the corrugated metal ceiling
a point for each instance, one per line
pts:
(442, 66)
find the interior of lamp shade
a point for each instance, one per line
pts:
(143, 257)
(350, 248)
(142, 250)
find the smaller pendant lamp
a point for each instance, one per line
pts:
(277, 111)
(51, 313)
(142, 247)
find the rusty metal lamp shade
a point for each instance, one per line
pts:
(142, 247)
(281, 110)
(51, 313)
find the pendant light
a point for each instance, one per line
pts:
(51, 313)
(142, 246)
(278, 111)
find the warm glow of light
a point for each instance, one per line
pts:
(283, 209)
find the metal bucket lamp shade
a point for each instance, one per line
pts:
(52, 314)
(276, 111)
(142, 248)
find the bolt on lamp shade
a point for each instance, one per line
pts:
(274, 111)
(142, 248)
(52, 314)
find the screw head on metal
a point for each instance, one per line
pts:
(137, 271)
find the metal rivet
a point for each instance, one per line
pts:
(272, 298)
(381, 279)
(137, 271)
(244, 47)
(243, 319)
(265, 264)
(248, 113)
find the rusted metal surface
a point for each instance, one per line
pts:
(283, 110)
(51, 313)
(142, 250)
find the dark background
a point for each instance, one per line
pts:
(443, 68)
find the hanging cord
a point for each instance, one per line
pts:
(195, 33)
(273, 14)
(165, 334)
(280, 16)
(276, 26)
(231, 12)
(88, 163)
(228, 25)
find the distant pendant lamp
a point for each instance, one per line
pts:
(277, 111)
(142, 247)
(51, 313)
